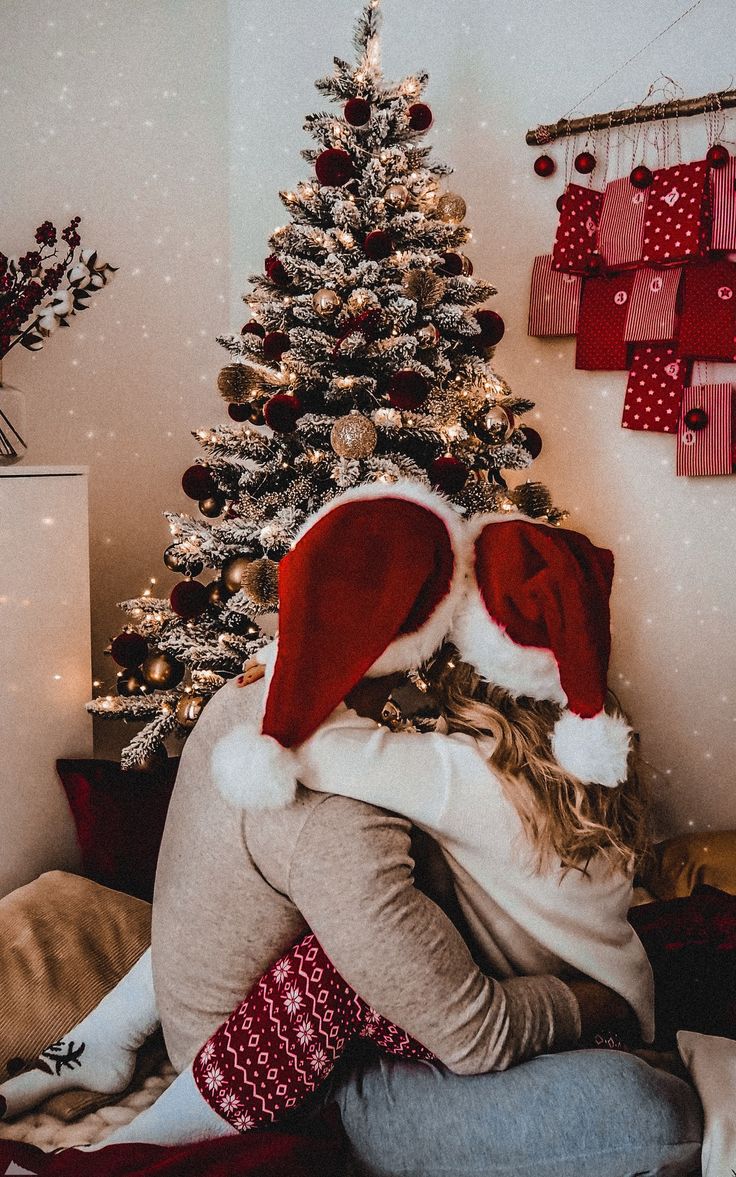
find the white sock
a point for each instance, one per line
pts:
(179, 1116)
(99, 1054)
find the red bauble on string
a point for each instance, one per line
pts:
(189, 599)
(448, 474)
(334, 167)
(275, 343)
(532, 441)
(544, 166)
(357, 111)
(377, 245)
(253, 328)
(560, 202)
(276, 271)
(407, 389)
(197, 482)
(282, 412)
(696, 419)
(584, 163)
(452, 264)
(238, 412)
(718, 156)
(492, 329)
(129, 649)
(641, 176)
(420, 116)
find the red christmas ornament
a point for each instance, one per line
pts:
(129, 649)
(420, 116)
(276, 271)
(357, 111)
(560, 202)
(544, 165)
(696, 419)
(334, 167)
(641, 176)
(253, 328)
(282, 412)
(238, 412)
(448, 474)
(584, 163)
(407, 389)
(377, 245)
(718, 156)
(452, 264)
(189, 599)
(492, 329)
(197, 482)
(275, 343)
(532, 441)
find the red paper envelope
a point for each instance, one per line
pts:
(653, 305)
(708, 320)
(723, 206)
(654, 390)
(709, 450)
(577, 229)
(677, 224)
(554, 300)
(621, 228)
(603, 309)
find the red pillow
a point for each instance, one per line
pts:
(120, 818)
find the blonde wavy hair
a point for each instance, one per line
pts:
(563, 818)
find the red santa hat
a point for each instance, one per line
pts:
(371, 586)
(537, 623)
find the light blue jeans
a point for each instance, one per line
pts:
(591, 1113)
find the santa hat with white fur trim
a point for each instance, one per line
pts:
(537, 623)
(371, 586)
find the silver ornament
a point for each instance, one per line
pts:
(361, 300)
(353, 436)
(326, 302)
(188, 710)
(451, 208)
(497, 424)
(427, 335)
(397, 195)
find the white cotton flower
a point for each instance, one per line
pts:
(79, 276)
(63, 304)
(48, 321)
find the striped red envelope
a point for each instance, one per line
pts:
(653, 305)
(577, 229)
(654, 390)
(677, 221)
(554, 299)
(723, 206)
(708, 320)
(621, 228)
(710, 449)
(603, 309)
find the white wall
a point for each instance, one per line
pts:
(119, 109)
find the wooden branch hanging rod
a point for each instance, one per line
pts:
(653, 113)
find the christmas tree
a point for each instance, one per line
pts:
(365, 358)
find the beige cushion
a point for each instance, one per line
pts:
(711, 1062)
(64, 942)
(680, 864)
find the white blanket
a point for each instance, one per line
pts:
(711, 1062)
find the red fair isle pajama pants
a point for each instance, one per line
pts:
(285, 1038)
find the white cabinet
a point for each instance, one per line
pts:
(45, 661)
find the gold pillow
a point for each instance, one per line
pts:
(64, 943)
(680, 864)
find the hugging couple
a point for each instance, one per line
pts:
(429, 928)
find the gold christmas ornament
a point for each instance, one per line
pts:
(360, 300)
(212, 506)
(397, 195)
(451, 208)
(233, 571)
(261, 583)
(235, 382)
(188, 710)
(424, 287)
(428, 335)
(131, 682)
(467, 266)
(326, 302)
(162, 671)
(497, 424)
(353, 436)
(217, 594)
